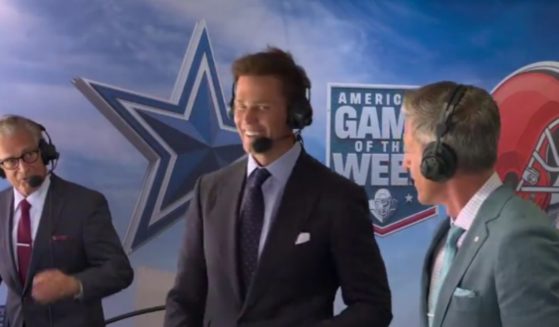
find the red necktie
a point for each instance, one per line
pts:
(24, 240)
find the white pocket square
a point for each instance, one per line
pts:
(303, 238)
(462, 292)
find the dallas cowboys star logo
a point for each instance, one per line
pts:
(182, 138)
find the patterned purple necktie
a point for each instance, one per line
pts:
(250, 227)
(24, 240)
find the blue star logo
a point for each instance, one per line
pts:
(183, 137)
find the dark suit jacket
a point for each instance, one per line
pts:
(75, 235)
(506, 273)
(294, 285)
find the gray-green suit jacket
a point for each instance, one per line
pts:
(506, 272)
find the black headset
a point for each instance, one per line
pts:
(299, 111)
(46, 147)
(439, 160)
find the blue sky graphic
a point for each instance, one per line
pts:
(139, 45)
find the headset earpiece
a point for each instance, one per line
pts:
(48, 151)
(47, 148)
(300, 112)
(439, 161)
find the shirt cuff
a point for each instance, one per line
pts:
(79, 296)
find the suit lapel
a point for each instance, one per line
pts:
(293, 210)
(41, 244)
(475, 238)
(228, 209)
(6, 243)
(459, 266)
(441, 231)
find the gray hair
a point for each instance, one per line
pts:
(10, 124)
(474, 127)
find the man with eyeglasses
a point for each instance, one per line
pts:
(59, 252)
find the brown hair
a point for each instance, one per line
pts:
(278, 63)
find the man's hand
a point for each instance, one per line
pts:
(53, 285)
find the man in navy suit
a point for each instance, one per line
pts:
(270, 238)
(59, 252)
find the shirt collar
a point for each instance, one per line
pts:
(37, 197)
(467, 215)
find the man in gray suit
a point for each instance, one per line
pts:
(495, 261)
(270, 238)
(59, 252)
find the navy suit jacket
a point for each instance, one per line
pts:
(294, 284)
(75, 235)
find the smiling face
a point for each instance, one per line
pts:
(261, 111)
(427, 190)
(15, 145)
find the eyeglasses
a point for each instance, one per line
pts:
(28, 157)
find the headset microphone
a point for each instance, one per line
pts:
(34, 181)
(264, 144)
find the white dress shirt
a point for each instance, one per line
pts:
(273, 187)
(37, 202)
